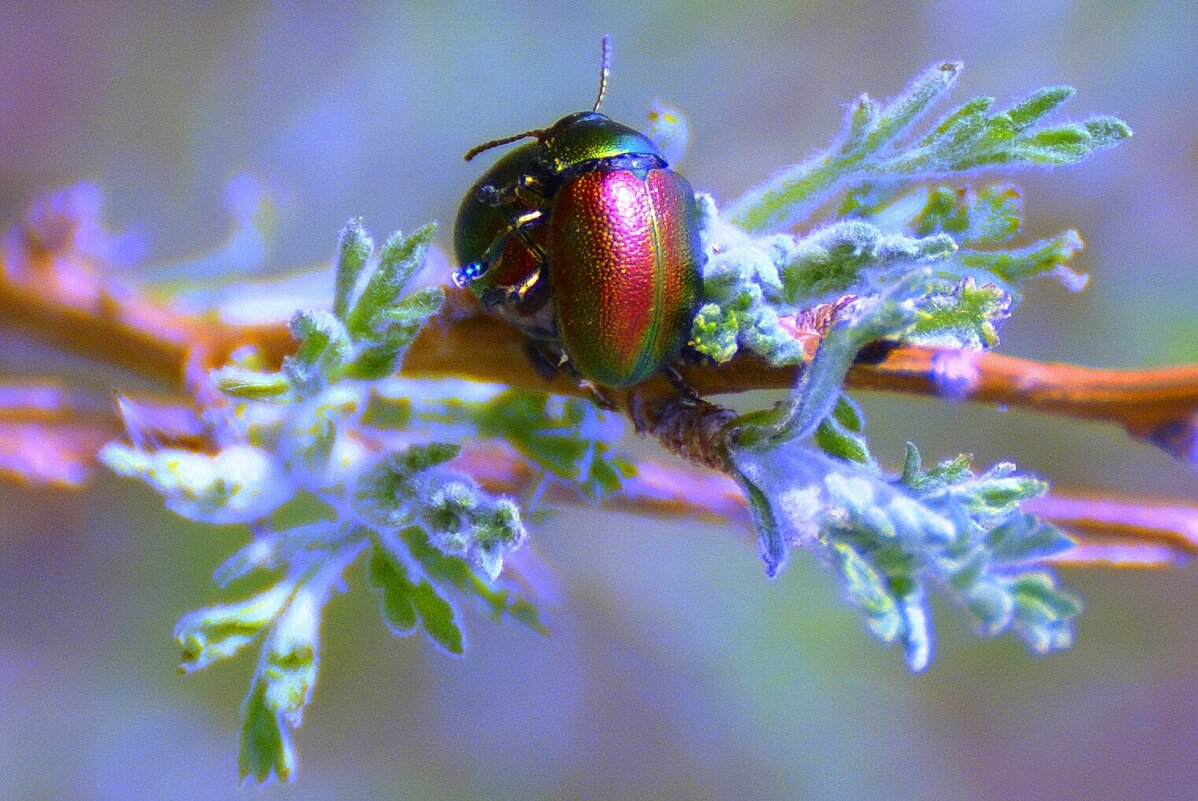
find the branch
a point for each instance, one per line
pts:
(121, 327)
(55, 293)
(1108, 533)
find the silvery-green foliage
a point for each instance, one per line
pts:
(334, 460)
(877, 145)
(894, 540)
(896, 215)
(919, 261)
(361, 463)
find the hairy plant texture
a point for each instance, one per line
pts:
(333, 460)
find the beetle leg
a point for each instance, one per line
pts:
(529, 290)
(598, 396)
(533, 190)
(522, 226)
(468, 272)
(687, 393)
(518, 225)
(529, 189)
(541, 358)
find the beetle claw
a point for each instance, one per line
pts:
(541, 359)
(688, 394)
(468, 272)
(598, 396)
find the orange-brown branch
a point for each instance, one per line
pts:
(66, 302)
(123, 328)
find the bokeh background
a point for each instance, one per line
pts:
(675, 669)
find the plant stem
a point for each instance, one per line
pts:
(122, 327)
(64, 302)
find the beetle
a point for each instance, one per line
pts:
(588, 242)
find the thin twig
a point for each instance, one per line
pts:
(1124, 534)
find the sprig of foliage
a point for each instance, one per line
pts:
(373, 456)
(756, 280)
(930, 264)
(892, 540)
(333, 457)
(966, 139)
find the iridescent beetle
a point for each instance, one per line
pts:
(588, 242)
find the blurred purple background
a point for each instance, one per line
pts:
(675, 670)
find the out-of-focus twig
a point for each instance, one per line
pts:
(1125, 534)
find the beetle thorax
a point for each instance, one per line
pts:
(590, 136)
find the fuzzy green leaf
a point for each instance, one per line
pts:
(963, 317)
(353, 250)
(839, 434)
(454, 571)
(437, 615)
(1026, 538)
(867, 591)
(396, 327)
(834, 259)
(899, 114)
(399, 260)
(416, 307)
(238, 382)
(961, 125)
(464, 520)
(713, 332)
(1039, 104)
(1048, 147)
(390, 578)
(790, 195)
(383, 355)
(405, 602)
(1043, 612)
(384, 493)
(523, 418)
(266, 751)
(1014, 267)
(991, 606)
(324, 344)
(989, 215)
(1040, 587)
(567, 437)
(218, 632)
(388, 413)
(772, 543)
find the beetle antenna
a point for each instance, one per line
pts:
(604, 71)
(485, 146)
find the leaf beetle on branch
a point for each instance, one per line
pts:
(588, 242)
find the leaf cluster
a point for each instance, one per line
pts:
(332, 457)
(893, 540)
(896, 215)
(914, 259)
(376, 462)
